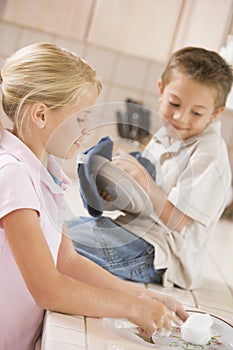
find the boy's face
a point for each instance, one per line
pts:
(186, 106)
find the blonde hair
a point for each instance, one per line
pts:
(47, 73)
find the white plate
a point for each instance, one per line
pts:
(128, 195)
(222, 338)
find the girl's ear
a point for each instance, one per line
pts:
(217, 112)
(37, 114)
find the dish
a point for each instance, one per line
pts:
(127, 195)
(222, 338)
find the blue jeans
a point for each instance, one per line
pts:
(115, 249)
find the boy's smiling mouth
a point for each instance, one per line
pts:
(178, 127)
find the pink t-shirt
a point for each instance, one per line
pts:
(25, 183)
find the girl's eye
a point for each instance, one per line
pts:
(80, 119)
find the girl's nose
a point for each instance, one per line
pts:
(86, 131)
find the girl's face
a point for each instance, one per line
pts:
(67, 127)
(186, 106)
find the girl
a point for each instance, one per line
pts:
(44, 90)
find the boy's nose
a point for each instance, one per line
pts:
(182, 116)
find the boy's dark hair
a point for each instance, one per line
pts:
(204, 66)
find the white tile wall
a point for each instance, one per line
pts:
(9, 38)
(30, 36)
(131, 72)
(154, 73)
(104, 61)
(70, 44)
(103, 96)
(119, 93)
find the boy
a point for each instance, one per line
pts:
(192, 184)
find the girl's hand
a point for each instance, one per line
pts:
(171, 303)
(175, 306)
(153, 316)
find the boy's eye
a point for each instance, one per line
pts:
(173, 104)
(196, 113)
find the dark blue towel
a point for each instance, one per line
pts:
(145, 162)
(92, 200)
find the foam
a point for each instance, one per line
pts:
(197, 329)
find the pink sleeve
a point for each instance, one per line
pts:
(17, 189)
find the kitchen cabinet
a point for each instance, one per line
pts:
(67, 18)
(143, 28)
(204, 23)
(153, 28)
(148, 29)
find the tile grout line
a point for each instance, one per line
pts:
(222, 275)
(86, 333)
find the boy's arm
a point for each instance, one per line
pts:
(172, 217)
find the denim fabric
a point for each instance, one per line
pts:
(117, 250)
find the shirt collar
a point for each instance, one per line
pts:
(14, 146)
(162, 137)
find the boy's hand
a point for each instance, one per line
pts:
(133, 168)
(105, 195)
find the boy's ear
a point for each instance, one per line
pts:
(160, 86)
(37, 113)
(217, 112)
